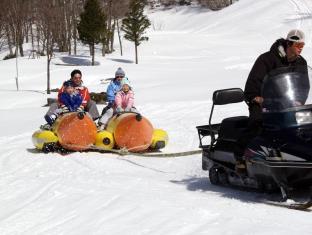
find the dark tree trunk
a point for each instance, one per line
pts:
(93, 53)
(48, 74)
(9, 39)
(112, 36)
(16, 64)
(75, 40)
(104, 47)
(49, 58)
(75, 27)
(109, 27)
(69, 45)
(136, 54)
(69, 30)
(32, 36)
(20, 46)
(38, 40)
(26, 32)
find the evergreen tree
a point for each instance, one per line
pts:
(135, 24)
(92, 25)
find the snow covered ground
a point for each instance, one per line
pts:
(191, 53)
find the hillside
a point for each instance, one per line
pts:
(191, 52)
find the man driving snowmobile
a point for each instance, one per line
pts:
(283, 53)
(271, 149)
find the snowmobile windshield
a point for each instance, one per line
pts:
(286, 88)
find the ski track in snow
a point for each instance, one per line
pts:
(179, 68)
(126, 204)
(29, 201)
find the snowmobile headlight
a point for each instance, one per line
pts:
(304, 117)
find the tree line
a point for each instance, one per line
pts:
(58, 25)
(53, 24)
(46, 23)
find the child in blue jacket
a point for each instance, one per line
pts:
(112, 89)
(115, 86)
(69, 101)
(70, 98)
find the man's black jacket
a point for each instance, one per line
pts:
(265, 63)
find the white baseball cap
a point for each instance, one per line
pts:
(295, 35)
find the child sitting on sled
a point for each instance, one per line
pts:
(113, 88)
(124, 99)
(69, 100)
(124, 102)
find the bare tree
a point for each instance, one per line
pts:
(27, 21)
(5, 26)
(2, 30)
(17, 12)
(48, 21)
(72, 16)
(118, 11)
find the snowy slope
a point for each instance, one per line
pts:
(191, 53)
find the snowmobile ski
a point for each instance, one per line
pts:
(304, 206)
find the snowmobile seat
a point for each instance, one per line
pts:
(233, 128)
(223, 97)
(232, 131)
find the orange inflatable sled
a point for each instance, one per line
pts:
(77, 132)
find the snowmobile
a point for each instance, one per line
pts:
(280, 158)
(76, 131)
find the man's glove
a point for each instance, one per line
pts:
(64, 109)
(119, 110)
(110, 104)
(258, 100)
(80, 108)
(59, 111)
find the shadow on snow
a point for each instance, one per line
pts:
(231, 192)
(77, 61)
(121, 60)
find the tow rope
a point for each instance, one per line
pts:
(124, 152)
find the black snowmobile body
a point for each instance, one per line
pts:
(281, 156)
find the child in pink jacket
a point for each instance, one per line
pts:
(124, 99)
(124, 102)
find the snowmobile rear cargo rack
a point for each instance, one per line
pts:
(207, 130)
(220, 97)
